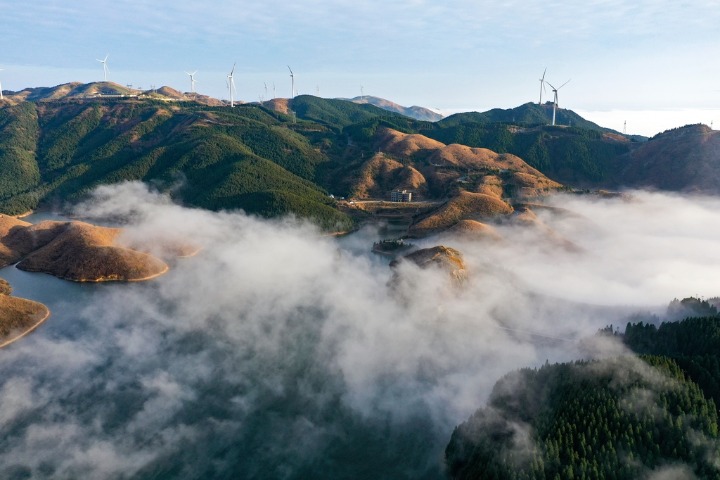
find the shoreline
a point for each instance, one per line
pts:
(32, 328)
(22, 215)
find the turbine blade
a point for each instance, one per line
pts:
(563, 84)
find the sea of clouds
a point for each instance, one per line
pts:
(277, 352)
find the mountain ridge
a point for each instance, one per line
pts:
(299, 155)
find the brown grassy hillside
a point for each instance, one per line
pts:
(87, 253)
(406, 144)
(465, 206)
(381, 174)
(79, 251)
(441, 257)
(475, 230)
(477, 183)
(5, 288)
(18, 316)
(683, 159)
(279, 105)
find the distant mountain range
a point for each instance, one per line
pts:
(79, 91)
(290, 155)
(418, 113)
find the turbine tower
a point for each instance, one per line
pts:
(231, 85)
(542, 86)
(192, 81)
(555, 100)
(1, 95)
(292, 83)
(105, 67)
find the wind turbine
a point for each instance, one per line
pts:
(231, 85)
(192, 81)
(555, 100)
(542, 86)
(292, 82)
(105, 67)
(1, 95)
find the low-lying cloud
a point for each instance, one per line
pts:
(277, 352)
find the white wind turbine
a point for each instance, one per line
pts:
(292, 83)
(231, 85)
(555, 100)
(542, 86)
(105, 67)
(192, 81)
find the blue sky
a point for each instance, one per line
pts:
(644, 61)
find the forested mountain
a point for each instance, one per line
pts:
(619, 418)
(682, 159)
(210, 157)
(608, 419)
(289, 155)
(527, 114)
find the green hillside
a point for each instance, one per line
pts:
(224, 158)
(611, 419)
(336, 113)
(18, 144)
(614, 418)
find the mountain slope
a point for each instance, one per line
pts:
(335, 113)
(617, 418)
(683, 159)
(216, 156)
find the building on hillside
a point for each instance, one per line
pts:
(400, 196)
